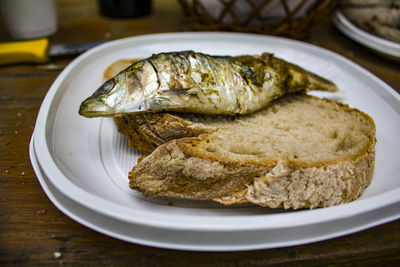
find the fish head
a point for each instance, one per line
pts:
(124, 93)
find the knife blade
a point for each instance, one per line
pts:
(72, 49)
(39, 50)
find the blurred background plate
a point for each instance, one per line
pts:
(386, 48)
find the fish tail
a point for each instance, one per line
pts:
(321, 84)
(314, 81)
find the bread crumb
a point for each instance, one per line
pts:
(57, 255)
(41, 212)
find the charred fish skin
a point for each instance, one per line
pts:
(198, 83)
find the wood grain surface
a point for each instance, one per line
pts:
(34, 232)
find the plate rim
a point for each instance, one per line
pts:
(45, 155)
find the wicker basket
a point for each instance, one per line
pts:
(290, 18)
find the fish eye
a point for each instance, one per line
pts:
(107, 86)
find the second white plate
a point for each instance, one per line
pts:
(379, 45)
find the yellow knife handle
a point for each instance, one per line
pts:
(24, 51)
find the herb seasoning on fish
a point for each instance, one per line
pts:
(199, 83)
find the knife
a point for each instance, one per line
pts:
(39, 50)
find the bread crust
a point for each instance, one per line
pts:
(146, 131)
(179, 169)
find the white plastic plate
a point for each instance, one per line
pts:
(86, 161)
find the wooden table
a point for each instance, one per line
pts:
(32, 229)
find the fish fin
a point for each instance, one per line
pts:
(184, 100)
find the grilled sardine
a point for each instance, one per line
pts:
(198, 83)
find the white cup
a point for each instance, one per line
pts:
(27, 19)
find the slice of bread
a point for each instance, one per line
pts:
(301, 152)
